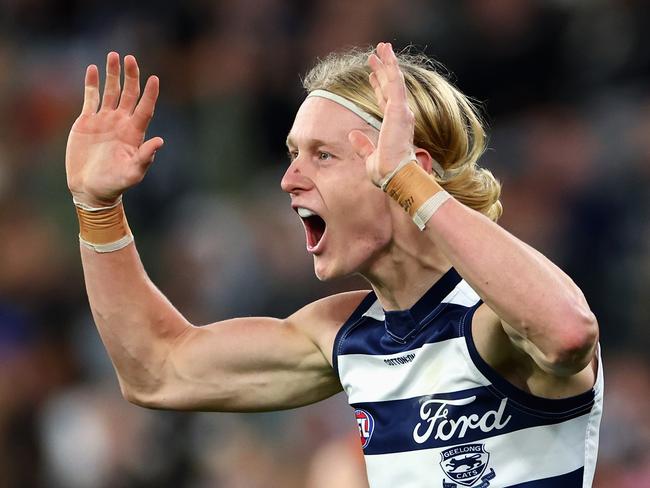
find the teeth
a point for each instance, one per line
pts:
(305, 212)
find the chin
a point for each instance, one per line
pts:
(326, 271)
(357, 256)
(324, 274)
(329, 269)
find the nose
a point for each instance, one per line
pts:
(294, 178)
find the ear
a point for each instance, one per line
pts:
(361, 144)
(424, 159)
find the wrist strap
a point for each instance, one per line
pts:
(88, 208)
(103, 229)
(415, 191)
(431, 206)
(435, 165)
(400, 165)
(110, 247)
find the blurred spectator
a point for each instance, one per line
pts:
(624, 458)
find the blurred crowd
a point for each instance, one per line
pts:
(564, 86)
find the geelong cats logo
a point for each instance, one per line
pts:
(465, 465)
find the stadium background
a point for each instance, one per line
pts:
(565, 84)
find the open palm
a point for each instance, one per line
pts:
(106, 153)
(395, 142)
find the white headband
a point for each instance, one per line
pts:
(368, 118)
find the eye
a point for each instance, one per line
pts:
(292, 155)
(324, 156)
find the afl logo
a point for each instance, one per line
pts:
(366, 426)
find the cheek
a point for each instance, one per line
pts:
(373, 220)
(360, 207)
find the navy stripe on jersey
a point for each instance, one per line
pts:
(569, 480)
(400, 329)
(370, 337)
(522, 398)
(396, 421)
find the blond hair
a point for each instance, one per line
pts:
(447, 123)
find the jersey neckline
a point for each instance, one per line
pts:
(400, 324)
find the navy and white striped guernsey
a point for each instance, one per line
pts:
(432, 413)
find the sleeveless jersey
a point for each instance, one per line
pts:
(432, 413)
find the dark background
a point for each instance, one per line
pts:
(564, 85)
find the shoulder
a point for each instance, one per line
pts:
(322, 319)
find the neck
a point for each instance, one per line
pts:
(406, 270)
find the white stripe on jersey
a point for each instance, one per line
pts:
(591, 436)
(441, 367)
(463, 295)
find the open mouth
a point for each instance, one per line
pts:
(315, 227)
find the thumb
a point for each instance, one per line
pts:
(361, 144)
(148, 149)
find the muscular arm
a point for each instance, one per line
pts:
(161, 359)
(245, 364)
(540, 307)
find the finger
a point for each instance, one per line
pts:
(391, 63)
(147, 150)
(389, 69)
(91, 90)
(379, 79)
(381, 53)
(380, 72)
(380, 48)
(145, 107)
(386, 68)
(131, 90)
(376, 65)
(387, 55)
(112, 85)
(379, 95)
(361, 144)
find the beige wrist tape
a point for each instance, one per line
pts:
(416, 192)
(103, 229)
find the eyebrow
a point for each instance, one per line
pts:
(313, 143)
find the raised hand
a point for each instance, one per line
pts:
(396, 136)
(106, 153)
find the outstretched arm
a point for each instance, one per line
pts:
(539, 308)
(161, 359)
